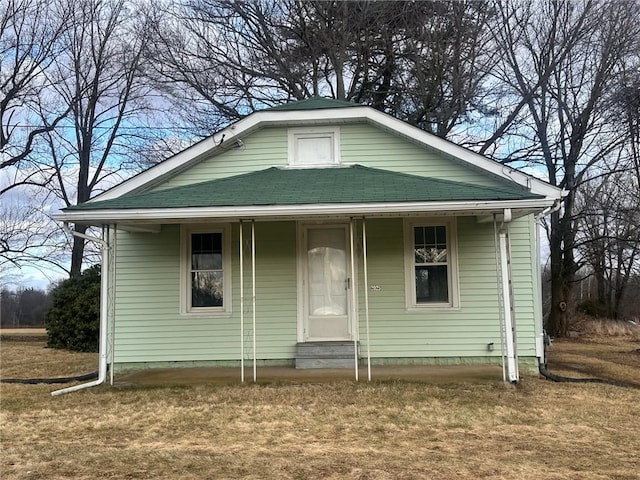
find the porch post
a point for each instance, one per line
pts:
(241, 252)
(112, 289)
(366, 295)
(353, 296)
(253, 291)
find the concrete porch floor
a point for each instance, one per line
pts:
(265, 375)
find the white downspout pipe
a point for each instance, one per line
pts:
(500, 306)
(512, 368)
(104, 302)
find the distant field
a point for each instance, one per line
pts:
(22, 334)
(339, 430)
(23, 331)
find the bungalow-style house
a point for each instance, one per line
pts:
(321, 234)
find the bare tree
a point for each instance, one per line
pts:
(30, 34)
(561, 64)
(27, 237)
(421, 61)
(99, 70)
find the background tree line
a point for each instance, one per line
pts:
(92, 91)
(24, 307)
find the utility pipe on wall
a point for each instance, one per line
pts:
(104, 302)
(512, 367)
(506, 301)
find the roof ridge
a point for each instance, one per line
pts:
(314, 103)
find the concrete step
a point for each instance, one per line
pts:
(325, 355)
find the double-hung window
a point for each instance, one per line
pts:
(206, 275)
(430, 264)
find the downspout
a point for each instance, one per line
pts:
(500, 308)
(512, 368)
(104, 302)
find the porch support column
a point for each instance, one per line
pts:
(354, 299)
(112, 318)
(241, 251)
(366, 295)
(253, 291)
(512, 367)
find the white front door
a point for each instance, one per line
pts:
(325, 283)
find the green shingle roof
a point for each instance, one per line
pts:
(279, 186)
(314, 103)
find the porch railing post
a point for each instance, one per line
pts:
(354, 299)
(241, 251)
(366, 295)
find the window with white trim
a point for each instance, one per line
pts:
(430, 264)
(314, 146)
(206, 280)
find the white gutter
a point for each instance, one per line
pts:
(177, 215)
(104, 295)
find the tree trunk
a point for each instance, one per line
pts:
(557, 323)
(77, 252)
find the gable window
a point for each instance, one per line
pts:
(430, 266)
(206, 281)
(314, 147)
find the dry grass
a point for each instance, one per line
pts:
(603, 327)
(385, 430)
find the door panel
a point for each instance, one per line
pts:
(326, 286)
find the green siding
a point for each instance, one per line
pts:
(456, 332)
(361, 143)
(265, 148)
(150, 328)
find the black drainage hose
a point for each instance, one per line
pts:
(34, 381)
(542, 368)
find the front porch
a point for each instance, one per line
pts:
(428, 374)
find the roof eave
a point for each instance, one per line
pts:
(180, 215)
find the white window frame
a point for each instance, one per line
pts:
(185, 271)
(452, 264)
(300, 133)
